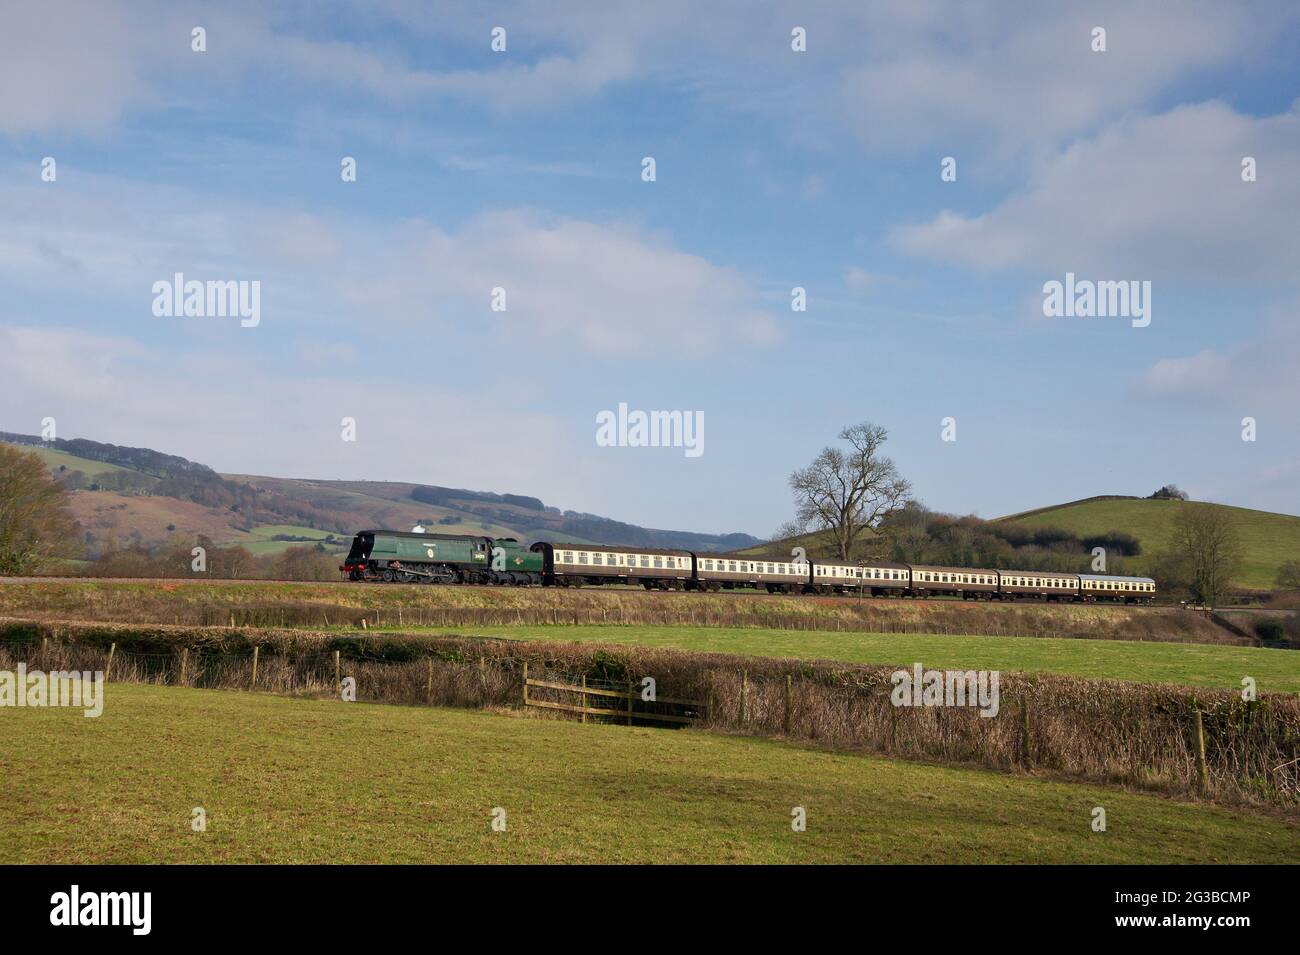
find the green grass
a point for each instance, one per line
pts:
(258, 540)
(1193, 664)
(285, 780)
(53, 459)
(1267, 539)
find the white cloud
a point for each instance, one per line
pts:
(952, 73)
(1258, 377)
(604, 287)
(944, 73)
(220, 410)
(1153, 197)
(75, 64)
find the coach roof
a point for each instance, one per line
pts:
(603, 549)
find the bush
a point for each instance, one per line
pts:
(1288, 575)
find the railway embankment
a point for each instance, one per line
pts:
(332, 606)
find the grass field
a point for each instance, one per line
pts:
(1217, 666)
(258, 540)
(54, 459)
(1267, 539)
(291, 780)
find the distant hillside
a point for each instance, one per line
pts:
(1268, 539)
(138, 495)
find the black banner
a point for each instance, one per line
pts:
(264, 903)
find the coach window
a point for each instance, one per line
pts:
(568, 557)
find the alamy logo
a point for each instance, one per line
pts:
(921, 687)
(103, 908)
(212, 299)
(60, 688)
(653, 429)
(1088, 299)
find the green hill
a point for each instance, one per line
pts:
(1267, 539)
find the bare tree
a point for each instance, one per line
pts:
(1206, 539)
(35, 526)
(846, 491)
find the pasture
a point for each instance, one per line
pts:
(1202, 665)
(1267, 539)
(303, 781)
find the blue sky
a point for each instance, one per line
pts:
(775, 169)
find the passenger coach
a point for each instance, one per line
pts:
(572, 565)
(1093, 587)
(774, 574)
(883, 578)
(965, 582)
(1040, 585)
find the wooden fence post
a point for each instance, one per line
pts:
(255, 652)
(429, 688)
(525, 683)
(338, 678)
(482, 672)
(744, 697)
(629, 701)
(584, 698)
(1024, 730)
(108, 668)
(1200, 752)
(708, 697)
(185, 659)
(786, 722)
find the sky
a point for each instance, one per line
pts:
(523, 169)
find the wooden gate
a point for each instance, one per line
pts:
(606, 701)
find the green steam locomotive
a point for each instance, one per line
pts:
(397, 556)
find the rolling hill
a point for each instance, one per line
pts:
(138, 495)
(1267, 539)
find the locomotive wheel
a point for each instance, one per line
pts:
(388, 576)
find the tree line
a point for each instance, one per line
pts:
(853, 497)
